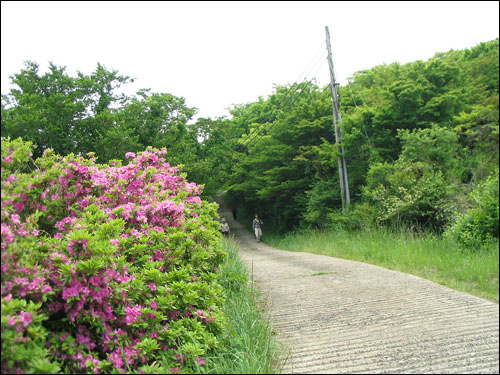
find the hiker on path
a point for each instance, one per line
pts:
(224, 228)
(233, 210)
(257, 227)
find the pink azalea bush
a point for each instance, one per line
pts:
(106, 268)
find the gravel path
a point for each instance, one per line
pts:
(341, 316)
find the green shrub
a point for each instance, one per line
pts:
(478, 225)
(407, 195)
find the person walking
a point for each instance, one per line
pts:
(257, 227)
(224, 228)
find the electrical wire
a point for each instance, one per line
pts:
(309, 83)
(293, 97)
(285, 99)
(356, 106)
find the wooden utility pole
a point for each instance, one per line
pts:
(344, 183)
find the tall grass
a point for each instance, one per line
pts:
(431, 257)
(248, 344)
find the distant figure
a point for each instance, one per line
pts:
(224, 228)
(233, 210)
(257, 227)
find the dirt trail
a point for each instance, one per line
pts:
(340, 316)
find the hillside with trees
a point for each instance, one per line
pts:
(420, 139)
(112, 258)
(421, 147)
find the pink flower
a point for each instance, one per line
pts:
(46, 288)
(63, 336)
(25, 318)
(8, 159)
(152, 287)
(55, 306)
(132, 314)
(82, 340)
(200, 361)
(19, 206)
(15, 219)
(70, 292)
(180, 357)
(33, 285)
(129, 155)
(114, 242)
(116, 359)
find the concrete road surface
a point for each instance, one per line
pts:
(339, 316)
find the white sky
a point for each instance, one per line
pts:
(216, 54)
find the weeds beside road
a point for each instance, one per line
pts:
(249, 347)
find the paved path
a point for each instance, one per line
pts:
(340, 316)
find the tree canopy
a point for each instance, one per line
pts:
(419, 138)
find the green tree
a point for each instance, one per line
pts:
(214, 155)
(158, 119)
(436, 146)
(57, 111)
(273, 177)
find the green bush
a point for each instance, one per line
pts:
(478, 225)
(360, 216)
(407, 195)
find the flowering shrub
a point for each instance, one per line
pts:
(106, 268)
(408, 194)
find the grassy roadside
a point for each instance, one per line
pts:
(432, 258)
(249, 347)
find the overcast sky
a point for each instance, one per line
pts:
(216, 54)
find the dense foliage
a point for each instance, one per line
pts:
(86, 114)
(106, 269)
(109, 255)
(421, 143)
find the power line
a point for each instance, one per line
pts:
(285, 99)
(293, 97)
(293, 102)
(356, 106)
(267, 118)
(349, 81)
(315, 55)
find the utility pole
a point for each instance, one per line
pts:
(344, 183)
